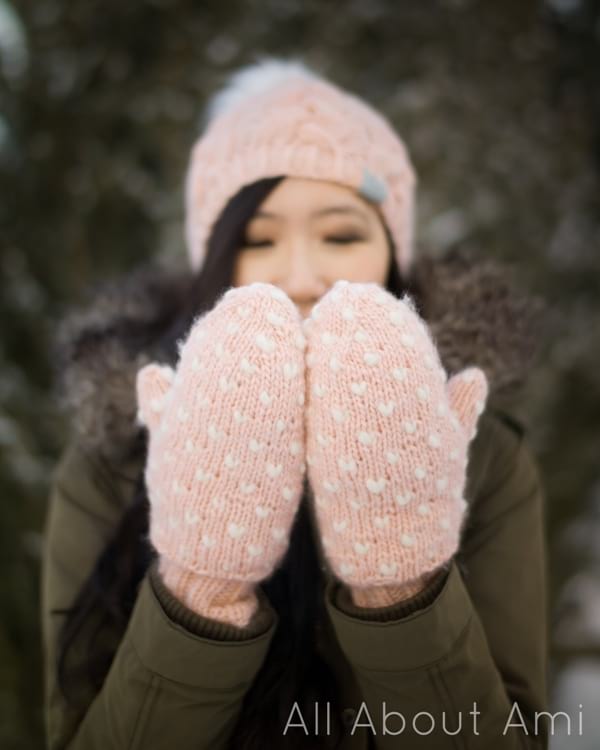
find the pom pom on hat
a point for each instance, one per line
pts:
(278, 117)
(255, 79)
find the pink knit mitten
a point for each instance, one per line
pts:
(387, 441)
(225, 461)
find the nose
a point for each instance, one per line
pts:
(300, 279)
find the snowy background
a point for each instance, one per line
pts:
(499, 104)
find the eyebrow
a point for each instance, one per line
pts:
(342, 209)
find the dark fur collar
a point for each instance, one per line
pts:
(474, 309)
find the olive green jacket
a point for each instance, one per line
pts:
(469, 651)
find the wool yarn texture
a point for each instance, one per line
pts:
(225, 463)
(388, 436)
(282, 118)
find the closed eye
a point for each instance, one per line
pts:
(258, 243)
(345, 239)
(339, 239)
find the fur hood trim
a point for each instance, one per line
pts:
(474, 309)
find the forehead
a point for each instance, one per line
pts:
(301, 196)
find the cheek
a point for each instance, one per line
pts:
(250, 267)
(364, 263)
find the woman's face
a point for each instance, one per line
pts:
(306, 235)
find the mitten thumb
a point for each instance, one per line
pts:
(152, 385)
(467, 393)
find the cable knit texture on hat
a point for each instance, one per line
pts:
(277, 118)
(387, 441)
(225, 462)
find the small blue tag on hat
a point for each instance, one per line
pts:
(372, 187)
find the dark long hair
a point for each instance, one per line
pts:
(293, 669)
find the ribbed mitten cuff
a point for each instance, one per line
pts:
(387, 595)
(233, 602)
(341, 596)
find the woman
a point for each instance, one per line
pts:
(286, 518)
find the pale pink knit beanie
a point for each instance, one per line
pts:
(280, 118)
